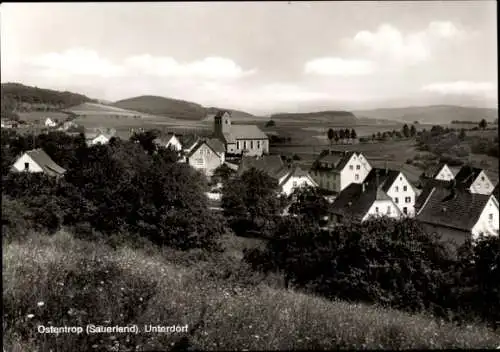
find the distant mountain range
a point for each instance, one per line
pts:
(436, 114)
(16, 97)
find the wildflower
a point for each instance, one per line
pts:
(30, 316)
(41, 304)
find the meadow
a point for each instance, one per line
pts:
(60, 280)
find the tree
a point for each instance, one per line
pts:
(250, 201)
(341, 134)
(406, 131)
(270, 123)
(483, 124)
(347, 133)
(310, 203)
(330, 135)
(413, 131)
(379, 135)
(462, 134)
(353, 134)
(336, 136)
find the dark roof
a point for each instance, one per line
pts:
(355, 203)
(45, 162)
(338, 159)
(496, 192)
(467, 175)
(455, 208)
(386, 178)
(213, 144)
(247, 132)
(433, 171)
(188, 140)
(221, 113)
(270, 164)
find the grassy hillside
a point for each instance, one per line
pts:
(332, 117)
(17, 98)
(61, 281)
(438, 114)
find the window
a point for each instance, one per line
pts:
(407, 199)
(244, 144)
(198, 161)
(258, 144)
(294, 183)
(358, 167)
(397, 189)
(26, 166)
(237, 144)
(482, 178)
(396, 200)
(405, 188)
(351, 167)
(356, 177)
(490, 217)
(251, 144)
(389, 210)
(405, 210)
(376, 209)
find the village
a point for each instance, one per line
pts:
(454, 203)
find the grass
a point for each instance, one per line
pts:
(60, 280)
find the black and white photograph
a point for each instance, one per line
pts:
(250, 176)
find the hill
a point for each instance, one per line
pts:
(438, 114)
(16, 98)
(162, 106)
(340, 117)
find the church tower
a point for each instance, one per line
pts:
(222, 123)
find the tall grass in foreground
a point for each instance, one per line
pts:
(61, 281)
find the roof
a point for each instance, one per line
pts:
(215, 145)
(221, 113)
(270, 164)
(188, 140)
(338, 159)
(467, 175)
(496, 191)
(247, 132)
(454, 208)
(352, 201)
(433, 171)
(45, 162)
(164, 140)
(296, 172)
(386, 178)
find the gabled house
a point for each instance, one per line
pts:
(289, 178)
(9, 123)
(440, 171)
(206, 156)
(396, 185)
(360, 202)
(100, 136)
(456, 214)
(188, 142)
(474, 180)
(240, 139)
(50, 123)
(334, 170)
(35, 161)
(170, 141)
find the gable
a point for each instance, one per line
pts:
(25, 158)
(399, 181)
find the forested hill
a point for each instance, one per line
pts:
(16, 97)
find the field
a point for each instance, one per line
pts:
(34, 116)
(62, 281)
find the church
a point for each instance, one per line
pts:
(240, 139)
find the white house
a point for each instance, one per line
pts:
(334, 170)
(36, 161)
(457, 214)
(171, 141)
(474, 180)
(396, 185)
(288, 178)
(50, 123)
(440, 172)
(99, 137)
(360, 202)
(206, 156)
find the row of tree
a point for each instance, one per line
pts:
(341, 135)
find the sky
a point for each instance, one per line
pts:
(258, 57)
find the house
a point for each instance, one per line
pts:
(474, 180)
(68, 125)
(335, 170)
(35, 161)
(440, 171)
(240, 139)
(50, 123)
(170, 141)
(206, 156)
(458, 215)
(395, 184)
(9, 123)
(360, 202)
(289, 178)
(100, 136)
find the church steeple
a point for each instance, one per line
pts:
(222, 122)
